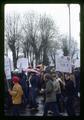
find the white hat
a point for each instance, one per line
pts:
(16, 71)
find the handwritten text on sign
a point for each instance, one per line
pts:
(63, 64)
(7, 68)
(22, 63)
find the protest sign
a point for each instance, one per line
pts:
(22, 63)
(7, 67)
(63, 64)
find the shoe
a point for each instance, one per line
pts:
(50, 112)
(35, 109)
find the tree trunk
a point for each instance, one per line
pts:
(25, 54)
(30, 57)
(17, 52)
(54, 61)
(14, 59)
(41, 56)
(37, 58)
(45, 57)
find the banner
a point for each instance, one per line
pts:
(63, 64)
(7, 67)
(22, 63)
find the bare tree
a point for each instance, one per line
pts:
(65, 46)
(73, 48)
(13, 34)
(30, 27)
(39, 30)
(47, 32)
(52, 51)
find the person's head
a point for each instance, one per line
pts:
(53, 75)
(30, 67)
(72, 77)
(47, 76)
(15, 79)
(32, 73)
(57, 76)
(42, 72)
(23, 72)
(67, 76)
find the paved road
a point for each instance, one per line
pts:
(27, 112)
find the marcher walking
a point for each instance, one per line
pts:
(57, 88)
(33, 86)
(50, 102)
(24, 85)
(16, 94)
(70, 92)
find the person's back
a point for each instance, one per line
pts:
(33, 90)
(70, 92)
(34, 81)
(77, 79)
(17, 94)
(50, 102)
(23, 84)
(69, 88)
(50, 93)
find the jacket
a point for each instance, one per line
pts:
(49, 92)
(16, 94)
(34, 81)
(57, 87)
(69, 88)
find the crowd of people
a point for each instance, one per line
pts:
(58, 90)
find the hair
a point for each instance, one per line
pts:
(15, 79)
(47, 76)
(53, 74)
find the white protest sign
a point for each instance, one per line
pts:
(22, 63)
(63, 64)
(77, 63)
(7, 67)
(12, 67)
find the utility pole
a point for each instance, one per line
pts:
(69, 30)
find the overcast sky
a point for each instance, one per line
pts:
(58, 12)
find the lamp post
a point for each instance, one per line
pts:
(69, 30)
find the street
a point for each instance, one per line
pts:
(27, 112)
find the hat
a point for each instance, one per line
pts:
(15, 79)
(52, 71)
(16, 71)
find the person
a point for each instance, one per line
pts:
(62, 100)
(7, 100)
(16, 94)
(50, 102)
(72, 77)
(69, 92)
(77, 80)
(42, 86)
(57, 88)
(33, 86)
(23, 83)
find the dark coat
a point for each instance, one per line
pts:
(34, 81)
(69, 88)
